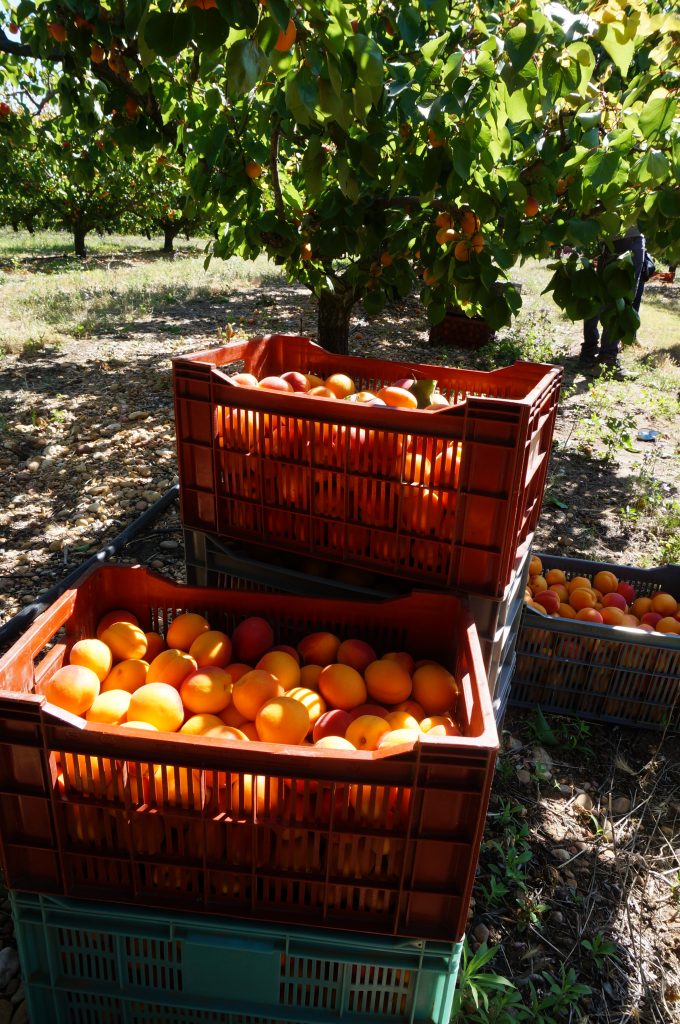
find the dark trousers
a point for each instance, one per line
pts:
(606, 348)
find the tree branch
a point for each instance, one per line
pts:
(274, 168)
(8, 45)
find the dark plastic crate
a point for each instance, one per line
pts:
(85, 963)
(604, 673)
(331, 479)
(385, 841)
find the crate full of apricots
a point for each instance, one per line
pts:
(431, 474)
(257, 755)
(601, 641)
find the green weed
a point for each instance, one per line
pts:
(600, 950)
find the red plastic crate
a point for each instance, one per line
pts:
(395, 856)
(334, 479)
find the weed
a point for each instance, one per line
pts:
(561, 999)
(534, 341)
(600, 950)
(604, 427)
(475, 985)
(675, 889)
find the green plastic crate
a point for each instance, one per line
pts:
(94, 963)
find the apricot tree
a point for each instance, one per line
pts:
(363, 145)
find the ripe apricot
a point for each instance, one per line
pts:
(469, 222)
(197, 725)
(251, 639)
(444, 220)
(334, 743)
(550, 601)
(462, 252)
(342, 687)
(286, 39)
(179, 786)
(560, 590)
(236, 670)
(126, 675)
(340, 384)
(109, 708)
(253, 169)
(631, 620)
(117, 615)
(387, 682)
(315, 704)
(185, 629)
(401, 720)
(581, 598)
(309, 676)
(641, 606)
(144, 726)
(206, 691)
(356, 653)
(538, 585)
(434, 688)
(555, 576)
(429, 278)
(282, 720)
(305, 251)
(535, 566)
(253, 690)
(230, 733)
(282, 666)
(319, 649)
(446, 235)
(615, 600)
(172, 667)
(321, 392)
(612, 616)
(232, 716)
(57, 31)
(565, 611)
(364, 732)
(412, 708)
(125, 640)
(398, 398)
(97, 54)
(158, 704)
(668, 624)
(604, 581)
(440, 725)
(589, 615)
(73, 688)
(433, 139)
(664, 604)
(579, 583)
(398, 737)
(531, 206)
(477, 243)
(259, 794)
(154, 645)
(211, 648)
(92, 654)
(402, 658)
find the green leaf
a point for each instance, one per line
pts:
(423, 390)
(312, 166)
(601, 167)
(583, 232)
(302, 96)
(521, 43)
(433, 48)
(669, 204)
(168, 34)
(368, 60)
(408, 24)
(280, 12)
(134, 12)
(246, 64)
(334, 74)
(618, 44)
(657, 116)
(147, 54)
(517, 106)
(543, 731)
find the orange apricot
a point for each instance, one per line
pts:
(412, 708)
(172, 667)
(282, 666)
(206, 691)
(581, 598)
(117, 615)
(401, 720)
(319, 649)
(315, 704)
(604, 581)
(253, 690)
(158, 704)
(198, 725)
(154, 645)
(211, 647)
(555, 576)
(365, 731)
(342, 687)
(340, 384)
(434, 688)
(589, 615)
(185, 629)
(535, 566)
(251, 639)
(641, 606)
(232, 716)
(309, 676)
(398, 398)
(282, 720)
(73, 688)
(126, 675)
(402, 658)
(92, 654)
(109, 708)
(125, 640)
(579, 583)
(668, 624)
(356, 653)
(612, 616)
(387, 682)
(565, 611)
(663, 603)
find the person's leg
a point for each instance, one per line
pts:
(611, 347)
(591, 339)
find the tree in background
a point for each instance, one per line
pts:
(164, 204)
(365, 146)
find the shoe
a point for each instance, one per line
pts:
(614, 371)
(588, 366)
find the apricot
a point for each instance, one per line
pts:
(412, 708)
(356, 653)
(211, 648)
(206, 691)
(259, 794)
(579, 583)
(538, 585)
(253, 690)
(401, 720)
(402, 658)
(331, 723)
(297, 381)
(631, 620)
(627, 591)
(560, 590)
(230, 733)
(612, 616)
(550, 601)
(565, 611)
(288, 650)
(251, 639)
(232, 716)
(604, 581)
(125, 640)
(87, 773)
(144, 726)
(276, 384)
(398, 398)
(444, 725)
(154, 645)
(555, 576)
(340, 384)
(319, 649)
(434, 688)
(181, 786)
(158, 704)
(282, 666)
(245, 379)
(581, 598)
(314, 381)
(531, 206)
(249, 730)
(236, 670)
(126, 675)
(118, 615)
(589, 615)
(197, 725)
(183, 630)
(109, 708)
(342, 686)
(614, 600)
(334, 743)
(641, 606)
(668, 624)
(374, 802)
(664, 604)
(315, 704)
(172, 667)
(282, 720)
(73, 688)
(651, 619)
(309, 676)
(364, 732)
(92, 654)
(535, 566)
(321, 392)
(387, 682)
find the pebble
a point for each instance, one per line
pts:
(481, 933)
(9, 966)
(157, 563)
(172, 545)
(523, 777)
(565, 790)
(556, 917)
(151, 496)
(561, 855)
(583, 802)
(141, 506)
(514, 743)
(541, 756)
(621, 805)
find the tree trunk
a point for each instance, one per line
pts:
(169, 232)
(335, 310)
(79, 241)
